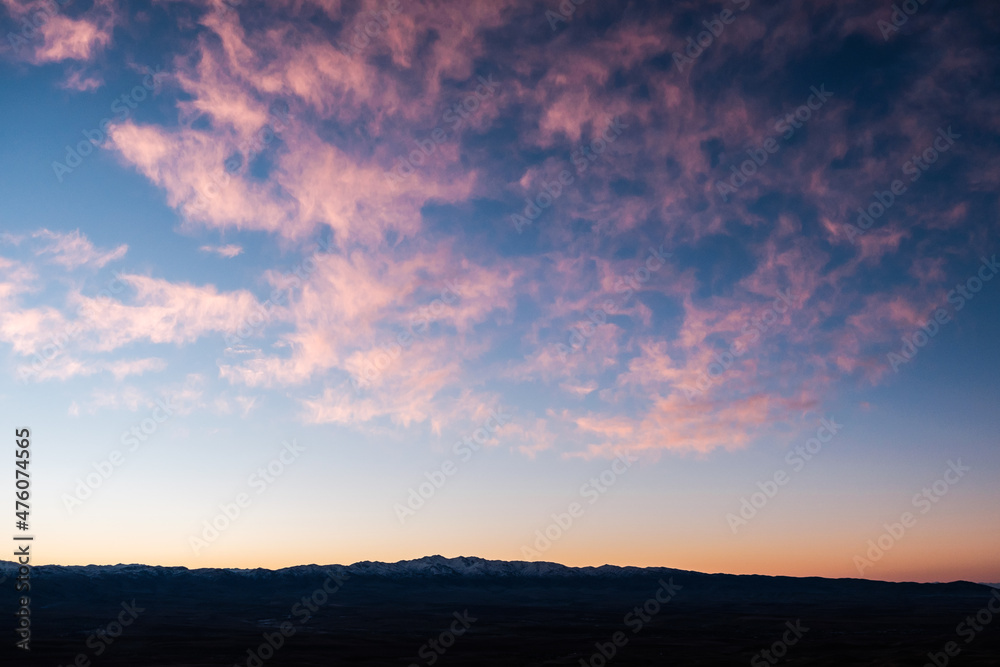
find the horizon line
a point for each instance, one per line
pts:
(488, 560)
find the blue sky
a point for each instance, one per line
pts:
(569, 254)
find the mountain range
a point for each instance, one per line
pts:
(475, 612)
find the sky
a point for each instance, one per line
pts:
(704, 285)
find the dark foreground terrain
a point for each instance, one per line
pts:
(490, 613)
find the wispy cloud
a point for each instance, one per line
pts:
(229, 250)
(73, 250)
(45, 32)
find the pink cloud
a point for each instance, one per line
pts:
(229, 250)
(74, 250)
(52, 36)
(163, 312)
(65, 367)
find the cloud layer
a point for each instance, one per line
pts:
(663, 240)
